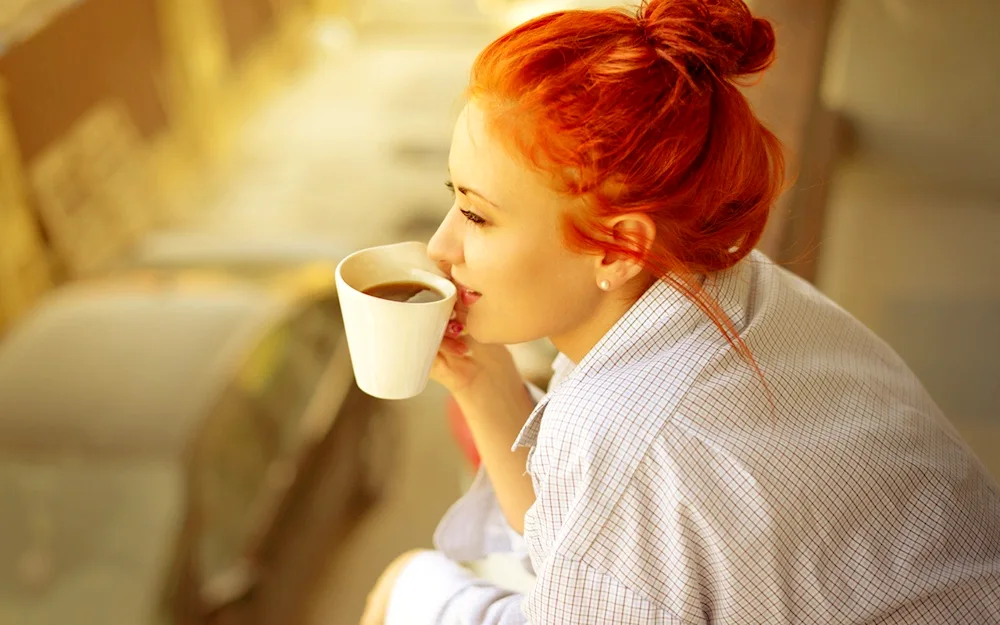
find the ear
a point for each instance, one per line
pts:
(632, 231)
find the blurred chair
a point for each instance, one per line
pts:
(94, 190)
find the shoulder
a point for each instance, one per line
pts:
(602, 419)
(594, 434)
(594, 430)
(626, 509)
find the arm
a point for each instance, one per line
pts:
(495, 409)
(475, 526)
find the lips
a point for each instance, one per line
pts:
(467, 295)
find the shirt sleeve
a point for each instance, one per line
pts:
(474, 526)
(434, 590)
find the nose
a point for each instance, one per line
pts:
(446, 246)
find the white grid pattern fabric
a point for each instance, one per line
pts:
(671, 487)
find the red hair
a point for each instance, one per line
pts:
(641, 113)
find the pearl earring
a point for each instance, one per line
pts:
(605, 285)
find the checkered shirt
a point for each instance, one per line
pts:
(673, 486)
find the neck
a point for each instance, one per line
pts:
(578, 342)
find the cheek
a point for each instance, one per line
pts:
(532, 288)
(502, 264)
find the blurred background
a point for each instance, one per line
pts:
(181, 440)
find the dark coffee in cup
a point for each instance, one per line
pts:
(410, 292)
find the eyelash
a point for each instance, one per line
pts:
(473, 218)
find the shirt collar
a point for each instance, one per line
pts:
(562, 367)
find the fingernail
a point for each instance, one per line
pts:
(455, 328)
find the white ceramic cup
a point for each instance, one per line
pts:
(392, 344)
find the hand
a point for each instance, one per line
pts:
(462, 362)
(378, 598)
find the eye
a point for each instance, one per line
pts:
(472, 217)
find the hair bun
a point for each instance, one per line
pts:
(720, 35)
(759, 52)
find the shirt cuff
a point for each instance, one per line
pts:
(424, 587)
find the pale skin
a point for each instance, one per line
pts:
(502, 244)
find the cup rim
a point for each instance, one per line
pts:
(442, 280)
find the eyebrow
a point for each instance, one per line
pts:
(468, 191)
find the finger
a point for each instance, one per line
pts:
(368, 618)
(454, 330)
(460, 312)
(373, 614)
(454, 346)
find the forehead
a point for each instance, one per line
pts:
(481, 161)
(474, 152)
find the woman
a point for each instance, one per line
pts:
(720, 443)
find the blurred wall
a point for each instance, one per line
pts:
(912, 240)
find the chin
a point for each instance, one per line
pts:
(485, 333)
(488, 333)
(481, 335)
